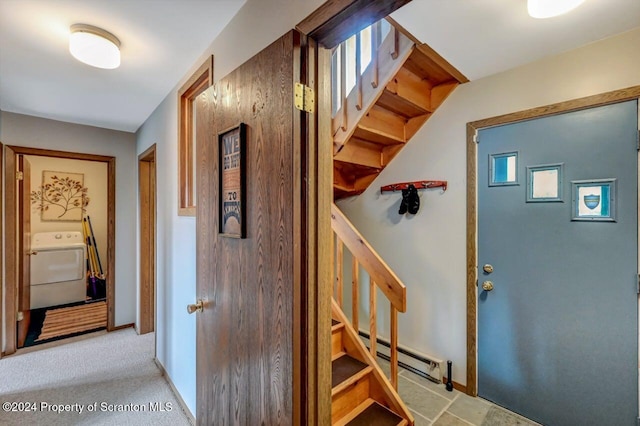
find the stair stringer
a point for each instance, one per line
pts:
(383, 393)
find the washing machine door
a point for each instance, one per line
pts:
(57, 265)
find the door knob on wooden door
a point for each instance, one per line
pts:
(197, 307)
(487, 286)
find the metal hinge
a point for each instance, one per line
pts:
(20, 316)
(19, 175)
(638, 285)
(638, 141)
(304, 98)
(476, 139)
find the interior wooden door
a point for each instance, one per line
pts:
(249, 331)
(24, 237)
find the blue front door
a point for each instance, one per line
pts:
(558, 233)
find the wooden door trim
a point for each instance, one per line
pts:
(147, 231)
(1, 253)
(330, 24)
(336, 20)
(312, 230)
(473, 127)
(10, 307)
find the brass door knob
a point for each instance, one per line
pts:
(197, 307)
(32, 253)
(487, 286)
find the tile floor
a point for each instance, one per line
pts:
(432, 405)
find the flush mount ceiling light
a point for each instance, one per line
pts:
(550, 8)
(94, 46)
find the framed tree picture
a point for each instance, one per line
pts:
(62, 197)
(231, 146)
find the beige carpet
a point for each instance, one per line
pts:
(102, 379)
(73, 319)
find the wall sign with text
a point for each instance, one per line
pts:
(232, 182)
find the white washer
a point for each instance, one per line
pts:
(58, 269)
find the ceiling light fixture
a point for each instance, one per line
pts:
(94, 46)
(550, 8)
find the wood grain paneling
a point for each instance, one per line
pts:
(472, 128)
(245, 333)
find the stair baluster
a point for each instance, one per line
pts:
(355, 292)
(394, 346)
(375, 43)
(358, 73)
(373, 318)
(343, 85)
(339, 266)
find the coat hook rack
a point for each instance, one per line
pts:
(420, 184)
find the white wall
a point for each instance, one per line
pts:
(28, 131)
(95, 180)
(428, 251)
(257, 24)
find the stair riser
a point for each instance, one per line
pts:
(336, 343)
(347, 400)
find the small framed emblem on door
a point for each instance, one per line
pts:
(593, 200)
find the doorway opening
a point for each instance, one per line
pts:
(147, 191)
(60, 222)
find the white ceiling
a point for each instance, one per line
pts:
(162, 39)
(484, 37)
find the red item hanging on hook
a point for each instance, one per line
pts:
(420, 184)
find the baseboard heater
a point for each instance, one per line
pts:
(424, 366)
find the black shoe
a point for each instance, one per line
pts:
(413, 200)
(404, 204)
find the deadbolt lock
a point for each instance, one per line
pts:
(487, 286)
(487, 268)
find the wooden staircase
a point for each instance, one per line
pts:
(361, 393)
(401, 88)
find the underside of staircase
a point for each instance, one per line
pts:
(361, 394)
(394, 97)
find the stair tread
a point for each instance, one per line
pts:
(345, 367)
(376, 415)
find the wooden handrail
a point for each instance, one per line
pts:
(377, 269)
(380, 276)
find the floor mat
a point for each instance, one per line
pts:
(499, 417)
(58, 323)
